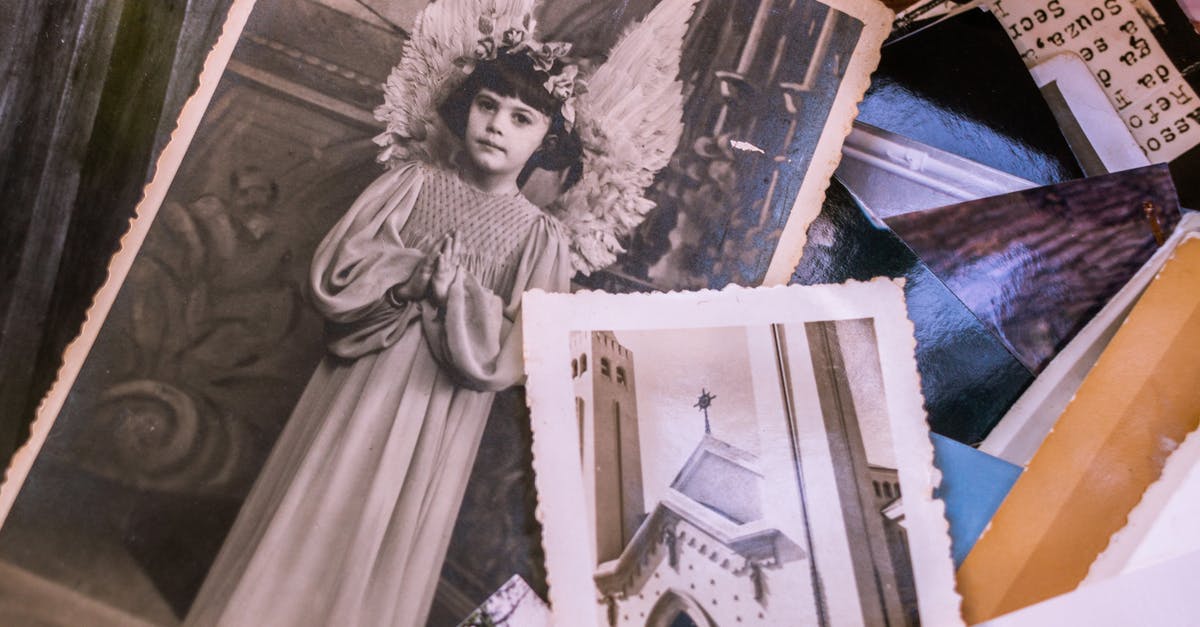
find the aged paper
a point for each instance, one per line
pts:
(736, 457)
(515, 604)
(168, 165)
(1113, 38)
(876, 23)
(202, 343)
(1162, 594)
(1163, 524)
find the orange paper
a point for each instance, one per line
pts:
(1135, 406)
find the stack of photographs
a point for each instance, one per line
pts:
(648, 313)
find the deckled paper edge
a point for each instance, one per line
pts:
(560, 503)
(877, 25)
(1124, 544)
(1133, 516)
(1186, 237)
(534, 604)
(1159, 595)
(166, 168)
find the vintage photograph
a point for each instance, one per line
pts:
(515, 604)
(298, 382)
(720, 468)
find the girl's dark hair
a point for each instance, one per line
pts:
(515, 76)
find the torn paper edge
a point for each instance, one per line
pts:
(877, 23)
(549, 393)
(166, 167)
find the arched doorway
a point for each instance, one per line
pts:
(677, 609)
(683, 620)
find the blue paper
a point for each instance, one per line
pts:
(973, 486)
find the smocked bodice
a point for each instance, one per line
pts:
(491, 228)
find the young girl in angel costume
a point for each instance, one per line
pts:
(421, 285)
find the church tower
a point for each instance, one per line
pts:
(610, 452)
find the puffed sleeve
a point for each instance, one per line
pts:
(476, 335)
(360, 259)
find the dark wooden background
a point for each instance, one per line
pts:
(89, 96)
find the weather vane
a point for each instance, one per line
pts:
(704, 403)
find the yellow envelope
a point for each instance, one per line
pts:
(1135, 406)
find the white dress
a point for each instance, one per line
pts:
(350, 519)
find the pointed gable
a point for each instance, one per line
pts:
(724, 479)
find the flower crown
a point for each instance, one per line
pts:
(563, 87)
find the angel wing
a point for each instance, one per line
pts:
(444, 31)
(630, 121)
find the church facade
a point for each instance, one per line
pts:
(720, 547)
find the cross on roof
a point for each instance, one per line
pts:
(704, 402)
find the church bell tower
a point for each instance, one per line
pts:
(610, 452)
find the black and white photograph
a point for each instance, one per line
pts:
(711, 467)
(515, 604)
(711, 515)
(295, 392)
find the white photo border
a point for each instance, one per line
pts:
(877, 24)
(561, 498)
(167, 166)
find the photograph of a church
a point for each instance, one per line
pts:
(754, 484)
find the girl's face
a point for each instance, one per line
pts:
(502, 133)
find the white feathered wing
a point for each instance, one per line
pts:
(444, 31)
(630, 121)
